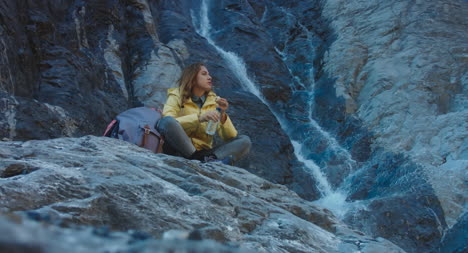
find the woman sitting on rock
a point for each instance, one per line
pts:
(187, 112)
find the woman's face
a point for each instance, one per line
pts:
(203, 81)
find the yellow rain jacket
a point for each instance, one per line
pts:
(187, 115)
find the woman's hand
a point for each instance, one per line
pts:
(210, 115)
(222, 103)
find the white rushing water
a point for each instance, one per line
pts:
(235, 62)
(331, 199)
(332, 142)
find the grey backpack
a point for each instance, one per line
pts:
(137, 126)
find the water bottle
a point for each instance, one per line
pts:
(213, 125)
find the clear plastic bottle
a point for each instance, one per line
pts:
(213, 125)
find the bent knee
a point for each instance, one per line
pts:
(245, 140)
(166, 123)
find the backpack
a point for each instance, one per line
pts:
(137, 126)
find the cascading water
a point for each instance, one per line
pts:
(331, 199)
(308, 76)
(236, 63)
(6, 82)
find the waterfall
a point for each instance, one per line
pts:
(78, 17)
(235, 62)
(333, 200)
(6, 82)
(8, 108)
(332, 142)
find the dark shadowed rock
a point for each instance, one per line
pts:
(268, 143)
(455, 239)
(55, 68)
(265, 66)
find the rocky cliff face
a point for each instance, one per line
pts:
(366, 101)
(90, 61)
(401, 68)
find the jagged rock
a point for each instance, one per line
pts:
(55, 69)
(101, 181)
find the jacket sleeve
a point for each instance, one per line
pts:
(172, 108)
(227, 130)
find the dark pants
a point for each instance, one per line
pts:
(178, 143)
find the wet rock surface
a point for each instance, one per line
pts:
(116, 186)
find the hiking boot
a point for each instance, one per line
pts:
(228, 160)
(207, 156)
(210, 158)
(203, 155)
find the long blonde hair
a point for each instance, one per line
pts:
(187, 80)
